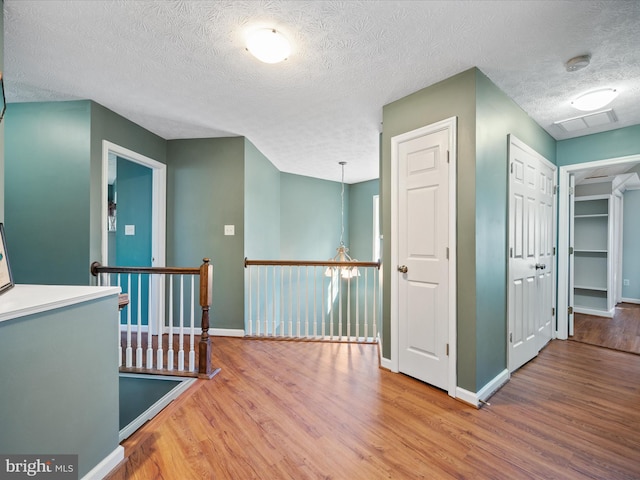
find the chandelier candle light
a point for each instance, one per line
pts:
(342, 255)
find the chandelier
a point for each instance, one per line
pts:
(342, 255)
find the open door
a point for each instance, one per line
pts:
(572, 204)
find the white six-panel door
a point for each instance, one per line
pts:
(422, 256)
(531, 253)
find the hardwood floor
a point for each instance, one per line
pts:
(288, 410)
(622, 332)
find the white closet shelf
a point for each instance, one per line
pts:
(590, 287)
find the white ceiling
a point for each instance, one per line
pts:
(180, 69)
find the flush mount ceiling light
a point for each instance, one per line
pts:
(594, 100)
(577, 63)
(268, 45)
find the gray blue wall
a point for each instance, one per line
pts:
(204, 193)
(497, 116)
(455, 96)
(310, 217)
(261, 206)
(485, 116)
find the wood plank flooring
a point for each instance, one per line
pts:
(622, 332)
(288, 410)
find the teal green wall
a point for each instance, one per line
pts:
(630, 245)
(452, 97)
(599, 146)
(497, 116)
(361, 219)
(54, 173)
(134, 188)
(204, 193)
(59, 391)
(134, 196)
(47, 197)
(261, 206)
(310, 217)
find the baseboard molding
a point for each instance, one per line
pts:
(226, 332)
(631, 300)
(597, 313)
(107, 464)
(482, 395)
(385, 363)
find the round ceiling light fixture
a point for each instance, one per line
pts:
(577, 63)
(268, 45)
(595, 99)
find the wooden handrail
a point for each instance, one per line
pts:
(310, 263)
(205, 272)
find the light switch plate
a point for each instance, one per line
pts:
(229, 230)
(129, 229)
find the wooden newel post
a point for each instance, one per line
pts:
(205, 370)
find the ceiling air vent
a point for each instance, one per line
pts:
(587, 121)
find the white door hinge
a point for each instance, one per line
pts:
(570, 310)
(570, 190)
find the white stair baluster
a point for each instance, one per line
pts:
(250, 318)
(375, 304)
(160, 350)
(120, 315)
(366, 302)
(349, 309)
(170, 333)
(358, 307)
(181, 336)
(149, 327)
(139, 325)
(192, 351)
(315, 301)
(258, 303)
(273, 301)
(129, 351)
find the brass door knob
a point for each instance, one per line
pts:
(403, 269)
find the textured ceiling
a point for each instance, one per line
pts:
(180, 69)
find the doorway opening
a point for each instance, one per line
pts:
(158, 201)
(568, 173)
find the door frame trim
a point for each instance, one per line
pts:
(564, 171)
(158, 220)
(449, 124)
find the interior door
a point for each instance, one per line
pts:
(531, 256)
(423, 239)
(571, 283)
(545, 266)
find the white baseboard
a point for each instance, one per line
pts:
(591, 311)
(107, 464)
(226, 332)
(214, 332)
(630, 300)
(385, 363)
(482, 395)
